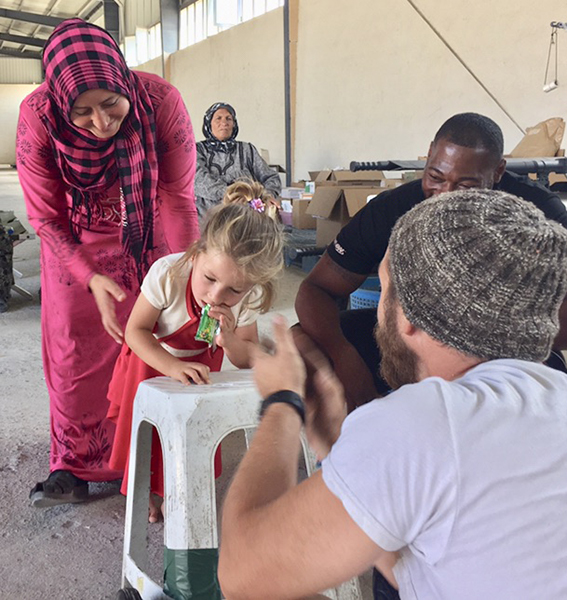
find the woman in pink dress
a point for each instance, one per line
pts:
(106, 160)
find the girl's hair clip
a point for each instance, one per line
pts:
(257, 205)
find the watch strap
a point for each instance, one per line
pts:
(286, 397)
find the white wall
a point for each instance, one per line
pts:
(152, 66)
(10, 98)
(244, 67)
(20, 70)
(375, 82)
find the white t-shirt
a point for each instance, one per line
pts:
(468, 479)
(168, 294)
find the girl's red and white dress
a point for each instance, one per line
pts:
(175, 329)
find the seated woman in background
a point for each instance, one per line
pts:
(221, 160)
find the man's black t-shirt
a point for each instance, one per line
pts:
(361, 243)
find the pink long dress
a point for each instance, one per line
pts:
(78, 355)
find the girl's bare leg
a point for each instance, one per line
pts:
(156, 509)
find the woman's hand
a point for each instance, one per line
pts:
(106, 291)
(189, 372)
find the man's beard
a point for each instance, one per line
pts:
(399, 364)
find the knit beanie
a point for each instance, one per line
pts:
(481, 271)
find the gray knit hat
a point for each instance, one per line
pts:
(482, 271)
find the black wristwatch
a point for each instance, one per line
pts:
(287, 397)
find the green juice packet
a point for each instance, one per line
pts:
(208, 327)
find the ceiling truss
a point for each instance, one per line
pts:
(23, 33)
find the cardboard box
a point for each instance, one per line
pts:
(388, 184)
(340, 194)
(301, 219)
(557, 178)
(411, 175)
(334, 206)
(346, 177)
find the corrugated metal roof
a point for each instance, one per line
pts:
(26, 24)
(24, 27)
(141, 13)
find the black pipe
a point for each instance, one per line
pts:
(520, 166)
(287, 95)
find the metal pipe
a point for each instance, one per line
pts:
(287, 95)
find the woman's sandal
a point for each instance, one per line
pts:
(61, 487)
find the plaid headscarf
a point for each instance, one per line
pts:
(77, 57)
(211, 142)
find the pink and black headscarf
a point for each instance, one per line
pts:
(77, 57)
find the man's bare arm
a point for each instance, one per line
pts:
(316, 307)
(279, 540)
(291, 546)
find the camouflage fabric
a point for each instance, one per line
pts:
(6, 273)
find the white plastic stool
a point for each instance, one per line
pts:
(191, 422)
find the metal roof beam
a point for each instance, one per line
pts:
(169, 17)
(93, 11)
(21, 39)
(20, 15)
(18, 54)
(112, 19)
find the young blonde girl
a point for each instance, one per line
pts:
(232, 268)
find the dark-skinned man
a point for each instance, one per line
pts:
(467, 152)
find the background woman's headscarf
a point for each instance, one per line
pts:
(211, 141)
(77, 57)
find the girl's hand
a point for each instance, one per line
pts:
(227, 323)
(106, 291)
(187, 372)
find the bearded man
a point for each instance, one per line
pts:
(452, 486)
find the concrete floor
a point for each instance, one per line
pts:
(68, 552)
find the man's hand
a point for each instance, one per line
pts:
(357, 380)
(283, 370)
(325, 412)
(106, 291)
(325, 405)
